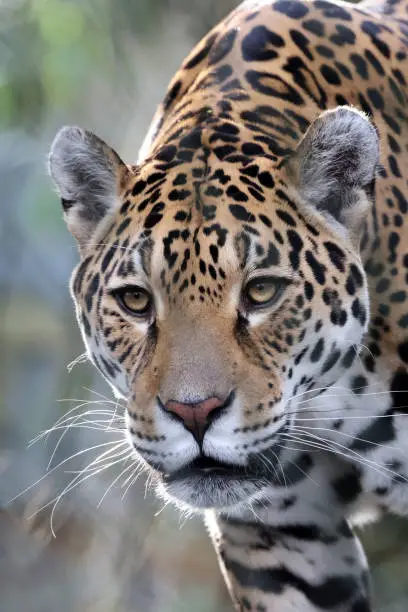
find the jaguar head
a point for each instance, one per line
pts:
(216, 294)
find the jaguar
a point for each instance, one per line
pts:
(243, 289)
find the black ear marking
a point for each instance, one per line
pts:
(67, 204)
(335, 161)
(87, 174)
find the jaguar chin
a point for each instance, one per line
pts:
(206, 483)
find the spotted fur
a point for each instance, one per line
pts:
(279, 150)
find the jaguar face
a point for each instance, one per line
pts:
(213, 304)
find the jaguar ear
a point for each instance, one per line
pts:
(88, 175)
(335, 163)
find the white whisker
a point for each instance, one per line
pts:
(82, 358)
(73, 456)
(107, 399)
(351, 453)
(347, 435)
(351, 417)
(124, 471)
(74, 484)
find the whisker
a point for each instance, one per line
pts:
(274, 468)
(316, 445)
(138, 465)
(92, 425)
(148, 482)
(140, 468)
(64, 423)
(380, 469)
(72, 410)
(92, 466)
(350, 394)
(80, 478)
(354, 417)
(73, 456)
(366, 348)
(63, 434)
(124, 471)
(114, 415)
(89, 401)
(82, 358)
(73, 485)
(305, 448)
(251, 509)
(323, 411)
(268, 464)
(303, 472)
(165, 504)
(104, 397)
(108, 456)
(81, 404)
(66, 428)
(347, 435)
(331, 387)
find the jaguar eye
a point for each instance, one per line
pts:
(263, 291)
(135, 300)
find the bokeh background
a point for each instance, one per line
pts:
(107, 545)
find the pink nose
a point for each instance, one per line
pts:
(195, 417)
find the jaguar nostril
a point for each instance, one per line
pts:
(199, 411)
(197, 416)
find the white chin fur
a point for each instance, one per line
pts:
(203, 493)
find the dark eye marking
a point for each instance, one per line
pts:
(134, 300)
(262, 292)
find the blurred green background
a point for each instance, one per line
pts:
(104, 65)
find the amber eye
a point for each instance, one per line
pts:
(263, 291)
(135, 300)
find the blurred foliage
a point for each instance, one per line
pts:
(103, 64)
(50, 47)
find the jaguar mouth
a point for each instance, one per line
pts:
(210, 483)
(208, 467)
